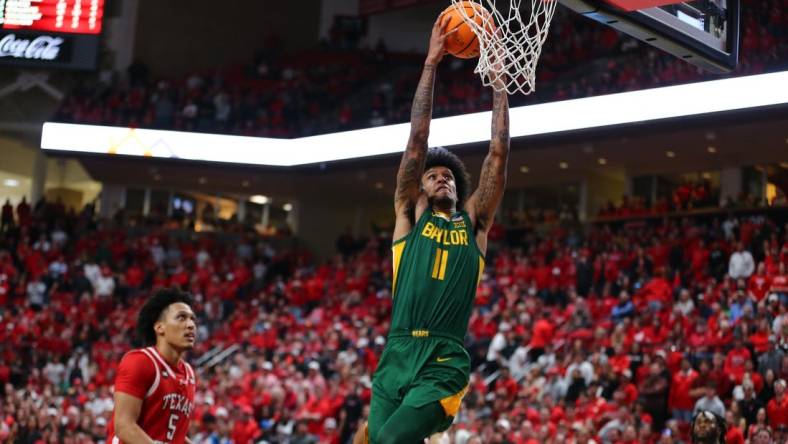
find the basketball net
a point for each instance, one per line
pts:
(509, 48)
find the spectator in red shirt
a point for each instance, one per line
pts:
(699, 260)
(734, 361)
(759, 283)
(330, 435)
(760, 337)
(245, 430)
(734, 434)
(657, 292)
(681, 402)
(779, 282)
(506, 386)
(777, 408)
(543, 331)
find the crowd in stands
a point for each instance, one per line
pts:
(601, 335)
(334, 89)
(686, 197)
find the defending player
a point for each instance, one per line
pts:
(154, 386)
(440, 239)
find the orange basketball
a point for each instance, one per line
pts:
(463, 43)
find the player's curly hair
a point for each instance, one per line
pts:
(152, 310)
(720, 427)
(442, 157)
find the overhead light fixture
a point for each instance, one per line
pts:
(202, 180)
(13, 183)
(711, 149)
(670, 154)
(245, 184)
(706, 176)
(524, 169)
(711, 135)
(379, 185)
(287, 207)
(602, 161)
(259, 199)
(563, 165)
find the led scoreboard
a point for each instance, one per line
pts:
(50, 33)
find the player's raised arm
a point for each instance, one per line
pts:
(411, 167)
(484, 202)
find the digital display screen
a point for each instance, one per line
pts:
(67, 16)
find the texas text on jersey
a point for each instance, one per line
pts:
(167, 394)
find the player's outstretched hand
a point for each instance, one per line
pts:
(438, 40)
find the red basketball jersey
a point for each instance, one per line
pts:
(167, 394)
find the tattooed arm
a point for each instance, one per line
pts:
(483, 204)
(408, 191)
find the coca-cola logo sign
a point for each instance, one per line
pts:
(38, 48)
(48, 50)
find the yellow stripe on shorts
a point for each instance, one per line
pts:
(451, 404)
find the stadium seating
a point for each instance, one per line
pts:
(331, 90)
(574, 333)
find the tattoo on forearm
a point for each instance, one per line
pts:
(412, 165)
(408, 177)
(493, 176)
(500, 119)
(422, 102)
(488, 184)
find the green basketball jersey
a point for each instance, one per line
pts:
(437, 267)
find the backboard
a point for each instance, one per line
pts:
(702, 32)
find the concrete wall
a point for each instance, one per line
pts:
(17, 158)
(22, 162)
(321, 222)
(731, 183)
(598, 190)
(113, 198)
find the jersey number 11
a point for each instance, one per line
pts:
(439, 266)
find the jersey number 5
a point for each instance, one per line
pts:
(439, 266)
(171, 426)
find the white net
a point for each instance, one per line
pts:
(509, 45)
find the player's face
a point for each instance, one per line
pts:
(438, 182)
(179, 326)
(704, 426)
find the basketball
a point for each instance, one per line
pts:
(463, 42)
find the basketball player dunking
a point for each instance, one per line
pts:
(440, 239)
(154, 386)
